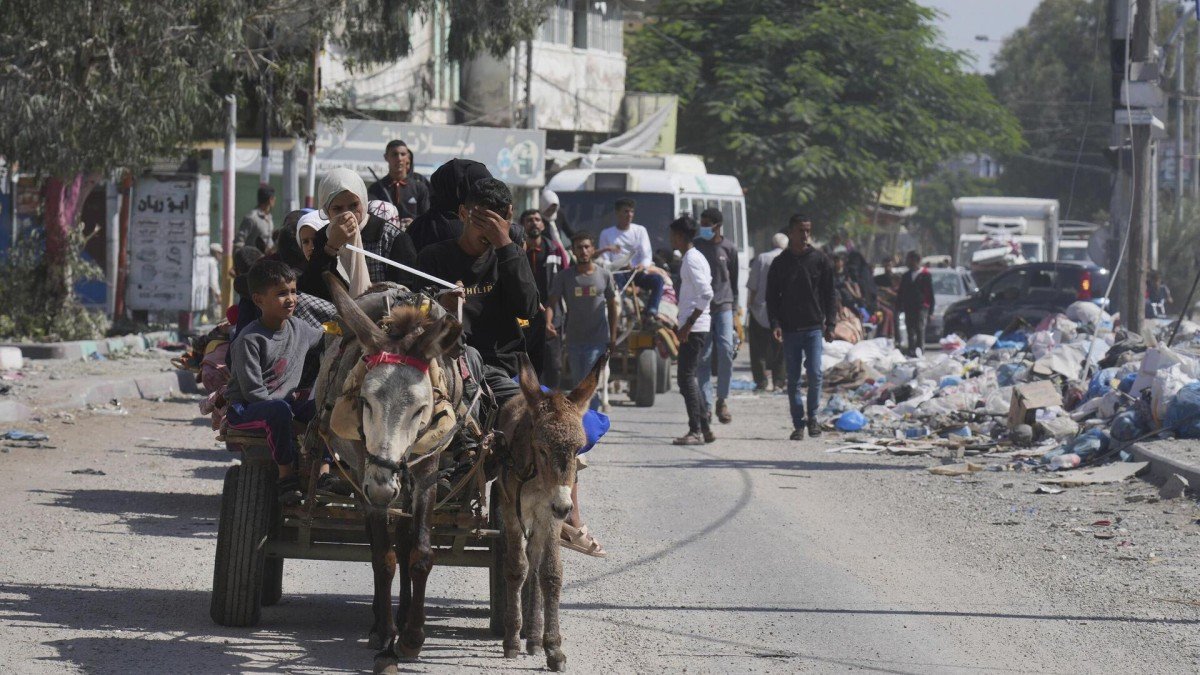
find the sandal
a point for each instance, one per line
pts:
(581, 540)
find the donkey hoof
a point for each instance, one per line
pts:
(556, 660)
(377, 640)
(511, 652)
(409, 645)
(533, 647)
(386, 664)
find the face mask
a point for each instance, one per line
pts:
(706, 233)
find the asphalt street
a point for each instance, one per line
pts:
(753, 554)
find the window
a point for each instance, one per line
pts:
(580, 37)
(590, 24)
(557, 28)
(1008, 287)
(729, 222)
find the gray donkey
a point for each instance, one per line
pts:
(544, 432)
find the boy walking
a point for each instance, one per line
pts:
(267, 362)
(591, 310)
(695, 298)
(801, 306)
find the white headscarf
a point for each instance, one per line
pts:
(354, 264)
(550, 198)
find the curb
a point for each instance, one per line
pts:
(1162, 466)
(99, 393)
(79, 350)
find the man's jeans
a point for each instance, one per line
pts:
(689, 355)
(580, 359)
(719, 340)
(652, 283)
(802, 349)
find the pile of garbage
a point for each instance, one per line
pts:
(1071, 391)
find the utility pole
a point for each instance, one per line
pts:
(229, 182)
(1141, 55)
(1180, 124)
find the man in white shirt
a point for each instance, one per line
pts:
(629, 240)
(695, 296)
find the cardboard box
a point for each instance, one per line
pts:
(1029, 397)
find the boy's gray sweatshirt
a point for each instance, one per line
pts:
(268, 364)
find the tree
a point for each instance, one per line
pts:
(89, 86)
(1054, 75)
(815, 103)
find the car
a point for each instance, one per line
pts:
(950, 284)
(1029, 293)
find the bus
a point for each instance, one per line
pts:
(664, 188)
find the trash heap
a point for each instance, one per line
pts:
(1073, 391)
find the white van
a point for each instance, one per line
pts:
(664, 189)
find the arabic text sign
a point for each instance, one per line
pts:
(168, 232)
(516, 156)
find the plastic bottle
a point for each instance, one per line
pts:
(1067, 461)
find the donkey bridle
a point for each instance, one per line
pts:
(393, 359)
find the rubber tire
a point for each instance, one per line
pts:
(246, 504)
(647, 378)
(496, 583)
(664, 375)
(272, 581)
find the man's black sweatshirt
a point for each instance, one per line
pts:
(800, 291)
(500, 289)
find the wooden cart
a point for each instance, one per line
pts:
(256, 534)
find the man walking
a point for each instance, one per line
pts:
(765, 353)
(802, 310)
(629, 240)
(695, 301)
(590, 297)
(546, 258)
(722, 259)
(256, 226)
(916, 300)
(407, 191)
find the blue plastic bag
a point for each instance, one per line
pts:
(595, 425)
(1089, 443)
(1126, 384)
(1183, 413)
(851, 420)
(1127, 426)
(1013, 339)
(1101, 383)
(1006, 374)
(949, 381)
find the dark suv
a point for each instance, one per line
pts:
(1030, 292)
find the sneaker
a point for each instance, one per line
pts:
(290, 493)
(329, 485)
(708, 435)
(814, 429)
(723, 415)
(797, 435)
(691, 438)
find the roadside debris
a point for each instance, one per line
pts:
(18, 435)
(1175, 487)
(1065, 396)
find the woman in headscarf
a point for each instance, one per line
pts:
(556, 223)
(450, 184)
(342, 196)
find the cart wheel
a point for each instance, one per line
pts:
(238, 570)
(647, 378)
(496, 583)
(664, 374)
(272, 581)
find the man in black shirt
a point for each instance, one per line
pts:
(404, 188)
(802, 309)
(496, 282)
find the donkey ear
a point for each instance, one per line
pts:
(530, 386)
(582, 394)
(368, 333)
(439, 338)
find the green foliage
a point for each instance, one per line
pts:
(1054, 75)
(933, 223)
(1178, 255)
(34, 307)
(815, 102)
(92, 86)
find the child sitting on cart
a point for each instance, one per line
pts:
(268, 358)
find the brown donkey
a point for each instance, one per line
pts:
(544, 432)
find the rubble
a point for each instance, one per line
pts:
(1076, 390)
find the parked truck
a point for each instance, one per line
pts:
(994, 233)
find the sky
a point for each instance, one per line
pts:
(995, 19)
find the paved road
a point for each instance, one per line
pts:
(752, 554)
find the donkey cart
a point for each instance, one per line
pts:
(256, 534)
